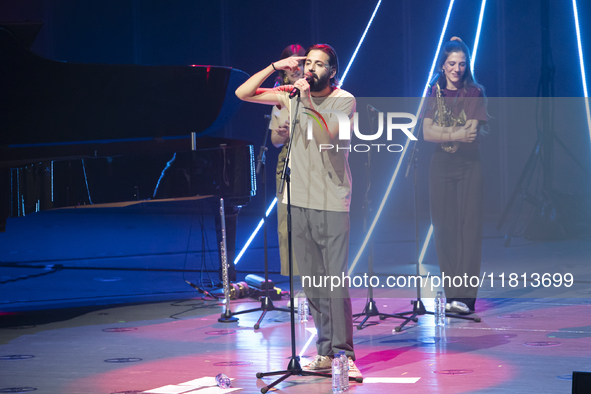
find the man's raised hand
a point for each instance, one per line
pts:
(289, 63)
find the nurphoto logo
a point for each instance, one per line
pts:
(345, 129)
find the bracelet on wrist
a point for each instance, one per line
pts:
(273, 65)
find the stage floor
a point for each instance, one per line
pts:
(521, 346)
(118, 317)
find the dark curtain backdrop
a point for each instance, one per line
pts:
(394, 60)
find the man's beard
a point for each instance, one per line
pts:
(320, 84)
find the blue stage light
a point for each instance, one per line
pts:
(477, 40)
(309, 341)
(360, 42)
(397, 169)
(256, 230)
(582, 63)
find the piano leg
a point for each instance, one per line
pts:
(4, 197)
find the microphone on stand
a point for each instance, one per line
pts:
(373, 109)
(309, 78)
(435, 78)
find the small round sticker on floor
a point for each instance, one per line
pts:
(19, 327)
(221, 332)
(232, 363)
(116, 279)
(434, 340)
(453, 371)
(129, 392)
(123, 360)
(542, 344)
(120, 329)
(17, 357)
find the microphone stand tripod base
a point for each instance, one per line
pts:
(266, 306)
(418, 309)
(294, 369)
(371, 310)
(227, 317)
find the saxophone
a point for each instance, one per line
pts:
(444, 118)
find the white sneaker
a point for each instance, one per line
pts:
(457, 307)
(319, 363)
(354, 372)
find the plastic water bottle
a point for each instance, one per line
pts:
(223, 381)
(345, 374)
(440, 302)
(337, 371)
(303, 310)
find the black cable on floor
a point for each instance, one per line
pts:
(52, 270)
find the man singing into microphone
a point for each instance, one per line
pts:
(320, 191)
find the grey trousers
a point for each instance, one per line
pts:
(321, 247)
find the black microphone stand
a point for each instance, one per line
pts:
(418, 308)
(266, 302)
(371, 308)
(293, 368)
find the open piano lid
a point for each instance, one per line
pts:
(46, 102)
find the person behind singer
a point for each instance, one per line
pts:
(320, 192)
(456, 112)
(279, 126)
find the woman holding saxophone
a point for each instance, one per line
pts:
(452, 120)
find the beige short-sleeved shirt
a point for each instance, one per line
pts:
(320, 180)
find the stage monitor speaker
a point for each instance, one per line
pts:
(581, 382)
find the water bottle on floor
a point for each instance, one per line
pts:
(440, 302)
(337, 371)
(223, 381)
(345, 374)
(306, 310)
(303, 310)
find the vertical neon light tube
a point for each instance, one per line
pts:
(360, 42)
(256, 230)
(313, 332)
(254, 233)
(477, 40)
(391, 184)
(582, 63)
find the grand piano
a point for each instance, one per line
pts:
(91, 135)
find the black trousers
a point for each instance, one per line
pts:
(455, 191)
